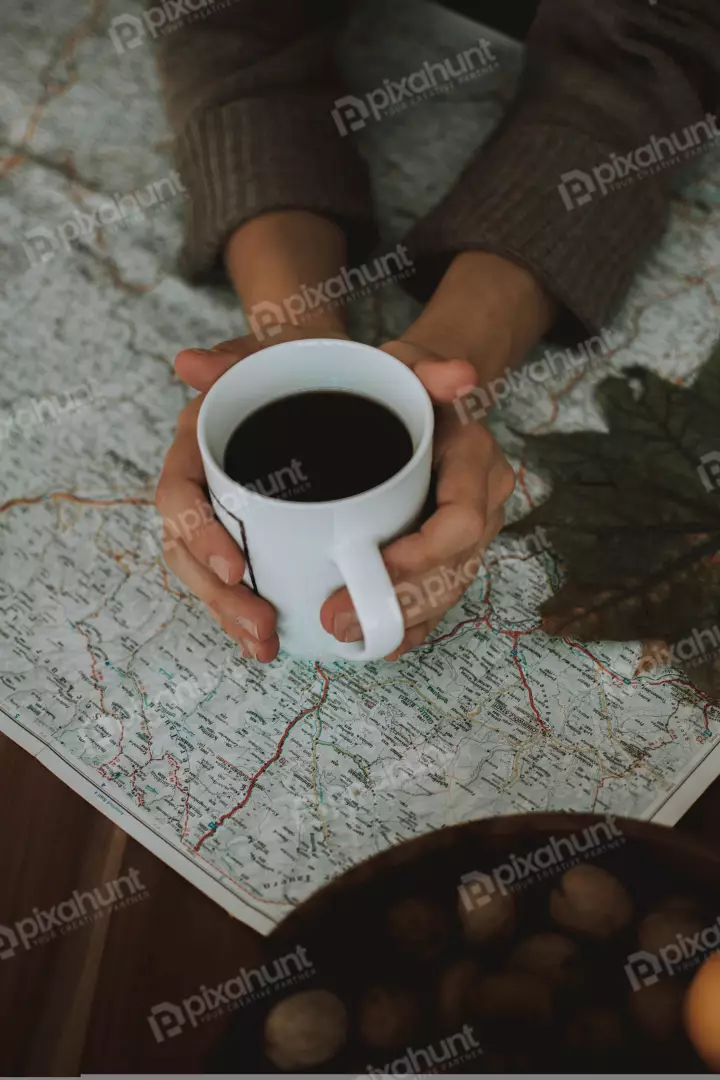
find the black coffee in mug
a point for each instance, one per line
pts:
(318, 446)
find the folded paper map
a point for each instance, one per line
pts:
(257, 783)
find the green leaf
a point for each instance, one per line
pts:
(635, 516)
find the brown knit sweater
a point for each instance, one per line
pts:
(250, 90)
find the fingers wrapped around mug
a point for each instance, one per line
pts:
(201, 553)
(433, 567)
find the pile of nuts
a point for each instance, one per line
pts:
(528, 980)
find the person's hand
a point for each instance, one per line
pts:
(484, 317)
(433, 567)
(197, 548)
(267, 259)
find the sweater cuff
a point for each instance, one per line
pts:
(251, 157)
(531, 195)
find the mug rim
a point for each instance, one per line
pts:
(422, 447)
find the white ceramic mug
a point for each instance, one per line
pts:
(299, 553)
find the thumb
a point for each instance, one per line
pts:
(444, 380)
(201, 368)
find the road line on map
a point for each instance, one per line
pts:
(256, 776)
(525, 683)
(32, 500)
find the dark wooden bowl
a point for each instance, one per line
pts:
(353, 945)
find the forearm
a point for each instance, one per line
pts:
(278, 263)
(552, 189)
(249, 91)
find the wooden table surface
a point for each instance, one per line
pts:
(80, 1002)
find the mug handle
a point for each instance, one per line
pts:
(376, 604)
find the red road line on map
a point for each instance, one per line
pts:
(70, 497)
(174, 780)
(642, 682)
(134, 775)
(466, 622)
(610, 776)
(616, 776)
(476, 621)
(141, 768)
(521, 478)
(93, 666)
(133, 787)
(515, 635)
(677, 682)
(67, 56)
(119, 754)
(581, 648)
(525, 683)
(98, 679)
(266, 765)
(705, 716)
(671, 740)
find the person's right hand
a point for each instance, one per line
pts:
(196, 546)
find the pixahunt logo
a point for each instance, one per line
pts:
(451, 1052)
(709, 472)
(645, 968)
(701, 645)
(436, 587)
(168, 1019)
(129, 31)
(42, 244)
(285, 483)
(267, 319)
(72, 914)
(534, 543)
(354, 113)
(477, 401)
(521, 871)
(696, 648)
(577, 188)
(27, 416)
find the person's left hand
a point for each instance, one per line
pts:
(432, 568)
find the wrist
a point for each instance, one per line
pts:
(279, 263)
(487, 310)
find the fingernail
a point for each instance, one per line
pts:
(246, 624)
(250, 649)
(220, 567)
(346, 627)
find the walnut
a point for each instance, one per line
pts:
(306, 1029)
(485, 915)
(591, 901)
(454, 992)
(388, 1017)
(595, 1029)
(657, 1009)
(550, 956)
(677, 916)
(418, 925)
(515, 995)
